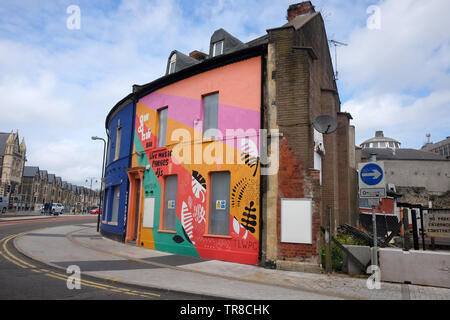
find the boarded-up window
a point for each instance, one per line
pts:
(170, 203)
(219, 216)
(162, 127)
(296, 221)
(210, 115)
(115, 204)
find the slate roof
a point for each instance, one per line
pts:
(3, 137)
(30, 171)
(401, 154)
(51, 178)
(183, 61)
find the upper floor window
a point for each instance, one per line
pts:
(210, 115)
(173, 61)
(162, 127)
(118, 139)
(218, 48)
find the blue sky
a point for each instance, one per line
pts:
(57, 85)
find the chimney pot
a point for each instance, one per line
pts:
(379, 134)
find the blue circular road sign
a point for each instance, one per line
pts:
(371, 174)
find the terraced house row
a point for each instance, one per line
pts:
(29, 187)
(39, 187)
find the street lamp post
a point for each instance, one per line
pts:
(102, 182)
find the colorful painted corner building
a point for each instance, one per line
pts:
(185, 171)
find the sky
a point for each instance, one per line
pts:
(58, 83)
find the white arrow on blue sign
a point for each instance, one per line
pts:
(371, 174)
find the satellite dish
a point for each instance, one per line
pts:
(325, 124)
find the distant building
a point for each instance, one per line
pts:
(31, 182)
(441, 147)
(12, 160)
(380, 141)
(406, 167)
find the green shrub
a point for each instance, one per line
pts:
(336, 252)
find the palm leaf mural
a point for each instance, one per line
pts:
(237, 192)
(249, 220)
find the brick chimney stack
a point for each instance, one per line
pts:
(298, 9)
(198, 55)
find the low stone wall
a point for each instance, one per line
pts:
(416, 267)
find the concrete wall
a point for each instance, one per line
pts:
(432, 175)
(417, 267)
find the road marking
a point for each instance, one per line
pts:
(52, 274)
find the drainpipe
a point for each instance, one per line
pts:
(130, 161)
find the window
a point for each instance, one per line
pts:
(115, 204)
(106, 204)
(170, 203)
(218, 48)
(172, 63)
(108, 156)
(219, 213)
(162, 127)
(118, 138)
(210, 115)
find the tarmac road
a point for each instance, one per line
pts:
(24, 279)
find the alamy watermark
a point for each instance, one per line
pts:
(74, 280)
(374, 281)
(256, 148)
(374, 20)
(73, 22)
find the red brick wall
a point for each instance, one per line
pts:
(296, 182)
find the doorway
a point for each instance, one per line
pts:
(135, 177)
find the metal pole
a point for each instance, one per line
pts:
(375, 244)
(328, 242)
(415, 233)
(102, 182)
(406, 241)
(423, 229)
(101, 186)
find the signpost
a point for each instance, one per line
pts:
(372, 186)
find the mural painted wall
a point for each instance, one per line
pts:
(235, 149)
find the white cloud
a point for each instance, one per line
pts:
(406, 118)
(409, 51)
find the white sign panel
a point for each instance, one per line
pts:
(149, 212)
(438, 223)
(296, 221)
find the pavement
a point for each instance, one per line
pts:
(103, 258)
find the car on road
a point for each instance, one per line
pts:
(52, 208)
(4, 203)
(57, 208)
(95, 210)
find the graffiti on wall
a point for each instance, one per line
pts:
(192, 204)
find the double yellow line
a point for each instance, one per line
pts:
(5, 253)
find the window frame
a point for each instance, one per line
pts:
(210, 200)
(172, 62)
(204, 128)
(215, 54)
(159, 142)
(118, 140)
(162, 227)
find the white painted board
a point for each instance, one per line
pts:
(296, 221)
(149, 212)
